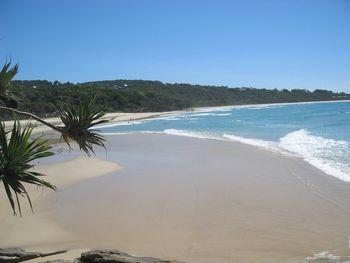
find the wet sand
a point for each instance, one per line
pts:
(196, 200)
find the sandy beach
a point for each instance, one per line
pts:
(196, 200)
(112, 117)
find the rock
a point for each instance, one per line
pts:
(12, 250)
(9, 259)
(115, 256)
(17, 254)
(58, 261)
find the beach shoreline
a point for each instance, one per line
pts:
(189, 199)
(120, 117)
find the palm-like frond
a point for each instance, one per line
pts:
(79, 122)
(16, 154)
(6, 94)
(17, 150)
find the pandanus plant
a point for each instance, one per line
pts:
(18, 150)
(79, 122)
(6, 76)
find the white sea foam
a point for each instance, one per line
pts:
(124, 123)
(201, 114)
(268, 145)
(326, 154)
(209, 114)
(265, 107)
(188, 134)
(172, 119)
(326, 256)
(223, 114)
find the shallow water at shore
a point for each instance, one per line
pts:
(317, 132)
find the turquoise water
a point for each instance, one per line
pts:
(317, 132)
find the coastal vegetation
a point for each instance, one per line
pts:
(18, 150)
(40, 96)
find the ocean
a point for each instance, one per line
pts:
(317, 132)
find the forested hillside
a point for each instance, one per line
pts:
(40, 97)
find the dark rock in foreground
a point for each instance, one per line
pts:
(17, 254)
(115, 256)
(14, 255)
(60, 261)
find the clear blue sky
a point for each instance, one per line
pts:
(259, 43)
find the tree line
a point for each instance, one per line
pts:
(41, 96)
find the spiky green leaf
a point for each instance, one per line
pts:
(16, 156)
